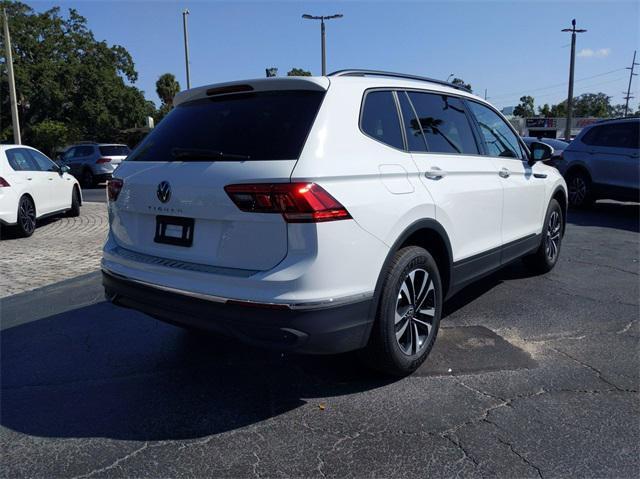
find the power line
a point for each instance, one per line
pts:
(557, 85)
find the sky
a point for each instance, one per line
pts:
(508, 48)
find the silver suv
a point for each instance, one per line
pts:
(602, 162)
(93, 163)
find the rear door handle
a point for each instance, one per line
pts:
(435, 173)
(504, 173)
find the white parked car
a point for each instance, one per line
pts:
(326, 214)
(32, 187)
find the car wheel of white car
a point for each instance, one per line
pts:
(408, 314)
(75, 204)
(546, 257)
(26, 217)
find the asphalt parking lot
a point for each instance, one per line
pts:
(531, 376)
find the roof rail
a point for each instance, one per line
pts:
(633, 116)
(354, 73)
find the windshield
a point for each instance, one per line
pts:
(243, 127)
(114, 150)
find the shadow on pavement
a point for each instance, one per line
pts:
(623, 216)
(98, 371)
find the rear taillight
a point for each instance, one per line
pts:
(103, 160)
(114, 186)
(3, 183)
(297, 202)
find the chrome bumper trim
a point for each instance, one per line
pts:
(301, 306)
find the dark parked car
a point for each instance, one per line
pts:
(92, 163)
(603, 162)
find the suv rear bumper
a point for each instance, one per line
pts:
(326, 330)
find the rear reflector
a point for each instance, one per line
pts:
(114, 186)
(297, 202)
(103, 160)
(3, 183)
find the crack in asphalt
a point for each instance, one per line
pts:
(116, 462)
(603, 266)
(524, 459)
(627, 327)
(591, 368)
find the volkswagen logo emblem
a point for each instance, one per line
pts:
(164, 191)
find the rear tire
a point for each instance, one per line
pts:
(580, 189)
(26, 217)
(546, 256)
(406, 323)
(75, 204)
(88, 180)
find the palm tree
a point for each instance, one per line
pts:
(166, 87)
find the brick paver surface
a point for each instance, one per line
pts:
(60, 248)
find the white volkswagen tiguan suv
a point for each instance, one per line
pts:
(326, 214)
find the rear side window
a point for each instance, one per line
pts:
(614, 135)
(380, 118)
(20, 160)
(81, 151)
(249, 126)
(114, 150)
(445, 124)
(499, 138)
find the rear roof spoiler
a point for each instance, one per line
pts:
(259, 84)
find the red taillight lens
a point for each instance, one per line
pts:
(297, 202)
(114, 186)
(103, 160)
(3, 183)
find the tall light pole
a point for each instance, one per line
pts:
(15, 122)
(322, 35)
(185, 13)
(631, 75)
(573, 30)
(449, 77)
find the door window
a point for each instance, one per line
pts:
(444, 123)
(20, 160)
(44, 163)
(380, 118)
(498, 137)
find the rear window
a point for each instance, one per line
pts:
(250, 126)
(114, 150)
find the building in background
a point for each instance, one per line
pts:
(549, 127)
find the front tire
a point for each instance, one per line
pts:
(408, 313)
(546, 256)
(75, 204)
(26, 217)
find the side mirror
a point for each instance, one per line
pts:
(64, 169)
(540, 151)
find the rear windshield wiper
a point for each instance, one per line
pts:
(187, 154)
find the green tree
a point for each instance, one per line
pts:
(49, 135)
(545, 111)
(592, 104)
(298, 72)
(166, 87)
(461, 82)
(65, 76)
(525, 109)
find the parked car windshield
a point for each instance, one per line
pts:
(251, 126)
(114, 150)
